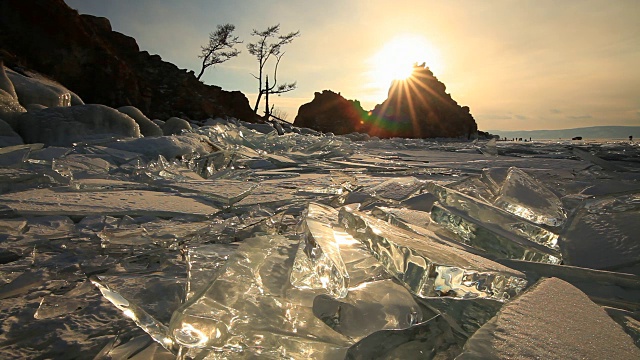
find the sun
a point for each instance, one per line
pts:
(395, 60)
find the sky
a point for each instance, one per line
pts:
(518, 65)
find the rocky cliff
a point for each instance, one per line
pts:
(418, 107)
(103, 66)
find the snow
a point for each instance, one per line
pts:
(64, 126)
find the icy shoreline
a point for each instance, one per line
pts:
(151, 232)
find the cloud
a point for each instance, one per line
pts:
(521, 117)
(555, 111)
(580, 117)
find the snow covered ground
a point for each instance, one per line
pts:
(234, 240)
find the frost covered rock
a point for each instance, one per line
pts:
(63, 126)
(8, 137)
(168, 146)
(36, 89)
(552, 320)
(5, 82)
(147, 127)
(175, 125)
(10, 108)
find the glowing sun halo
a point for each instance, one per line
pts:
(396, 58)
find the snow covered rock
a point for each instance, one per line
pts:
(10, 108)
(147, 127)
(5, 83)
(63, 126)
(8, 137)
(36, 89)
(175, 125)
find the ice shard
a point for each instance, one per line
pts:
(524, 196)
(396, 189)
(245, 311)
(603, 233)
(430, 268)
(484, 226)
(551, 320)
(322, 248)
(158, 331)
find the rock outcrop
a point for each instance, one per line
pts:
(417, 107)
(103, 66)
(330, 112)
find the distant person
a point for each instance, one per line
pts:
(630, 137)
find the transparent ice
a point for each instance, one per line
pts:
(227, 242)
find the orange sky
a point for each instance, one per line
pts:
(519, 65)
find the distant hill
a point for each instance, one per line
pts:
(593, 132)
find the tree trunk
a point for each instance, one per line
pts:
(266, 99)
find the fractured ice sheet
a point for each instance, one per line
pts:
(128, 202)
(245, 310)
(603, 233)
(489, 228)
(77, 166)
(524, 196)
(396, 189)
(165, 233)
(225, 192)
(429, 268)
(551, 320)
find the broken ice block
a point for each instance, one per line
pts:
(587, 156)
(245, 310)
(373, 306)
(396, 189)
(322, 248)
(77, 166)
(490, 148)
(603, 233)
(551, 320)
(524, 196)
(466, 216)
(429, 268)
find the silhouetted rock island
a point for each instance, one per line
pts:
(418, 107)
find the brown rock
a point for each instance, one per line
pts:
(102, 66)
(330, 112)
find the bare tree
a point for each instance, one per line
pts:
(220, 47)
(269, 44)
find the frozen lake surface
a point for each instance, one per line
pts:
(319, 247)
